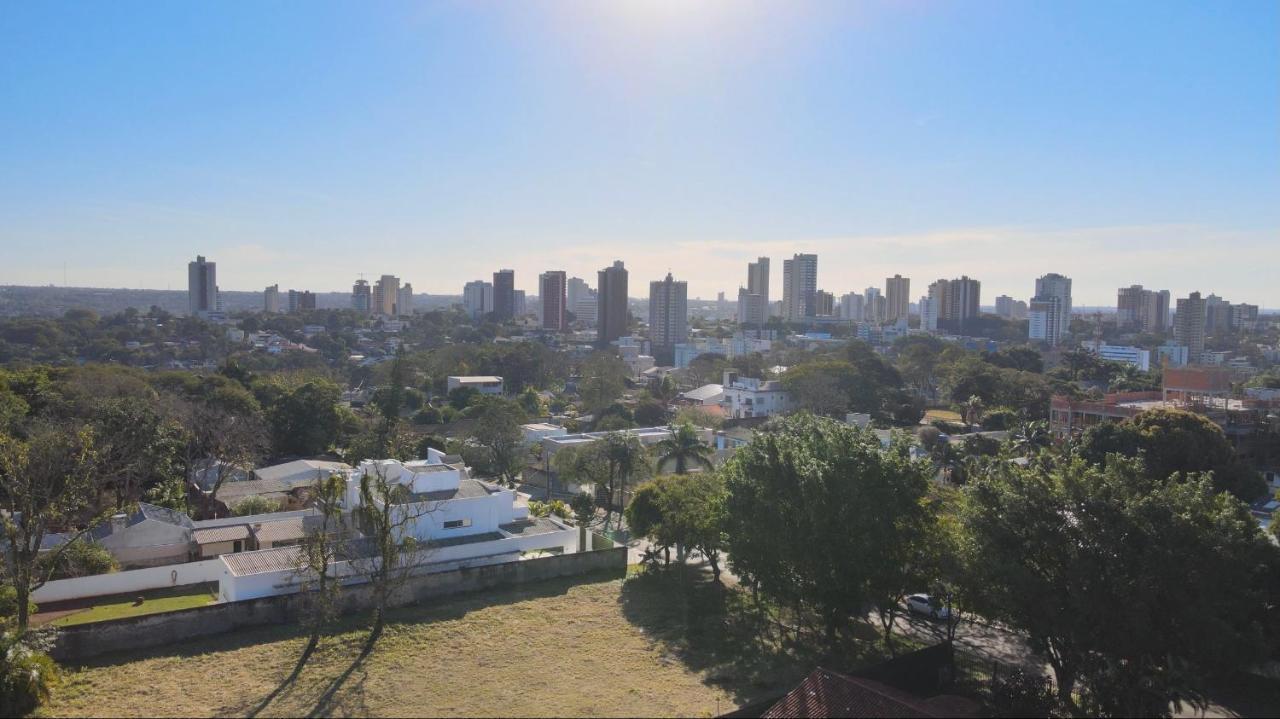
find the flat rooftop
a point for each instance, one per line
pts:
(467, 489)
(530, 526)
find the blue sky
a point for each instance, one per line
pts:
(305, 142)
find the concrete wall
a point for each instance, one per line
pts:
(134, 580)
(233, 588)
(81, 642)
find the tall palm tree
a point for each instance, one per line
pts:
(972, 409)
(685, 449)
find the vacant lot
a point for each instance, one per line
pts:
(648, 646)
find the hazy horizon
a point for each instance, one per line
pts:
(302, 144)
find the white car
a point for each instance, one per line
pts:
(923, 605)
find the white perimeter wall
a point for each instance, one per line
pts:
(134, 580)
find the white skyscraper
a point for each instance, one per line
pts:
(404, 300)
(897, 291)
(1049, 311)
(851, 307)
(753, 300)
(477, 298)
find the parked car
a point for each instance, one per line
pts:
(924, 605)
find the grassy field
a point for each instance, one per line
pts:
(944, 415)
(650, 645)
(154, 602)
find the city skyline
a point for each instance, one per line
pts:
(1002, 141)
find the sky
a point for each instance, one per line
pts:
(306, 143)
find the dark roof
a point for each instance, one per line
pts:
(230, 492)
(532, 525)
(141, 514)
(826, 693)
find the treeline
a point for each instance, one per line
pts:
(1138, 577)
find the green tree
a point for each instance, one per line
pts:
(305, 420)
(684, 448)
(47, 481)
(82, 559)
(604, 377)
(1099, 565)
(819, 516)
(681, 511)
(584, 510)
(496, 444)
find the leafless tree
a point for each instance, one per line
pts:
(218, 441)
(388, 516)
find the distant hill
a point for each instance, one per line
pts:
(50, 301)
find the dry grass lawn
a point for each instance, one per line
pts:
(604, 647)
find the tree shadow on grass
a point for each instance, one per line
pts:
(723, 633)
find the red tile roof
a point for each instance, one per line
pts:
(826, 693)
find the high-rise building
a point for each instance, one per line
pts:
(477, 298)
(577, 290)
(271, 299)
(404, 300)
(1244, 316)
(873, 305)
(587, 309)
(553, 291)
(299, 301)
(668, 317)
(362, 297)
(851, 307)
(504, 295)
(611, 303)
(897, 293)
(202, 287)
(1011, 309)
(1188, 325)
(960, 303)
(799, 282)
(722, 307)
(519, 308)
(1217, 315)
(1142, 309)
(385, 294)
(934, 310)
(824, 304)
(1049, 311)
(753, 300)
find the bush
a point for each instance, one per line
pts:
(27, 675)
(1000, 418)
(81, 559)
(1019, 694)
(560, 509)
(427, 415)
(255, 505)
(9, 604)
(539, 509)
(449, 414)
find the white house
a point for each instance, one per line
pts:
(751, 397)
(148, 537)
(484, 384)
(458, 521)
(538, 431)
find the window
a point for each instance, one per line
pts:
(457, 523)
(237, 546)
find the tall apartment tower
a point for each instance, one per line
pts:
(1049, 311)
(897, 295)
(504, 294)
(300, 301)
(611, 303)
(404, 300)
(271, 299)
(362, 297)
(553, 290)
(753, 300)
(933, 307)
(851, 307)
(668, 317)
(824, 304)
(202, 287)
(477, 298)
(1188, 325)
(1138, 308)
(799, 283)
(577, 291)
(961, 303)
(385, 294)
(873, 307)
